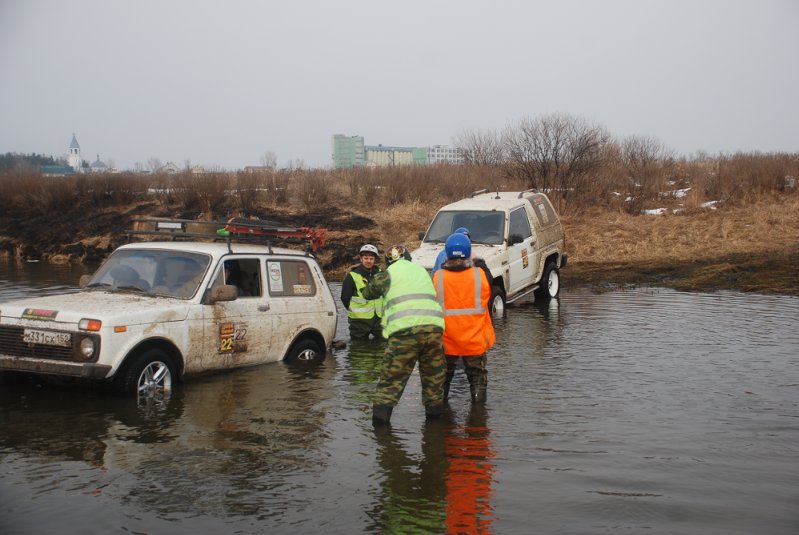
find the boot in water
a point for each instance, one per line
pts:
(381, 414)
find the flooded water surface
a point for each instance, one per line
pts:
(645, 411)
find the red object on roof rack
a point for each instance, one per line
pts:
(257, 227)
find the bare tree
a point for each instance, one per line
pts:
(645, 162)
(481, 147)
(555, 153)
(269, 159)
(153, 164)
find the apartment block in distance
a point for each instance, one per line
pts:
(348, 151)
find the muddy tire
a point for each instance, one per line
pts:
(148, 375)
(497, 302)
(549, 286)
(305, 351)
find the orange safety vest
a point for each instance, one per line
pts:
(464, 296)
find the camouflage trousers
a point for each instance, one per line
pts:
(403, 350)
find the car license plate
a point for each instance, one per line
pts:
(48, 338)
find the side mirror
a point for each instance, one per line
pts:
(513, 239)
(84, 280)
(226, 292)
(421, 236)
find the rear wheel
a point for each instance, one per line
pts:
(148, 376)
(550, 282)
(497, 302)
(305, 351)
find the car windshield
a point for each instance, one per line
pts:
(484, 227)
(151, 272)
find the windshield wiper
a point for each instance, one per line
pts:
(98, 285)
(132, 287)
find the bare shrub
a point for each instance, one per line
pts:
(247, 188)
(206, 193)
(279, 183)
(555, 152)
(482, 147)
(646, 163)
(312, 188)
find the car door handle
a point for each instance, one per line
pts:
(263, 308)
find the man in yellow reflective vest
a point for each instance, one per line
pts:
(365, 315)
(413, 322)
(464, 292)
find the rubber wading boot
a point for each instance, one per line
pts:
(381, 414)
(477, 390)
(434, 410)
(447, 382)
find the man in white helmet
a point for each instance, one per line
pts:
(364, 315)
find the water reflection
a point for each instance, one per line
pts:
(446, 487)
(640, 411)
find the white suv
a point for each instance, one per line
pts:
(157, 311)
(517, 233)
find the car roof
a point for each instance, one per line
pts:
(503, 200)
(214, 248)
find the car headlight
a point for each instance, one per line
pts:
(87, 348)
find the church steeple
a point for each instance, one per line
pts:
(73, 158)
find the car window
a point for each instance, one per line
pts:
(152, 271)
(484, 227)
(243, 273)
(543, 210)
(290, 278)
(519, 229)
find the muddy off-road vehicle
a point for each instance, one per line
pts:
(517, 233)
(156, 311)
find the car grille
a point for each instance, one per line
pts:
(11, 344)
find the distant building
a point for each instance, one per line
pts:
(381, 156)
(169, 169)
(258, 169)
(56, 170)
(444, 154)
(348, 151)
(98, 166)
(73, 157)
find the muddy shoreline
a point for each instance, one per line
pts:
(80, 236)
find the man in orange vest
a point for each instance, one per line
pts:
(463, 291)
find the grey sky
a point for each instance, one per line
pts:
(221, 83)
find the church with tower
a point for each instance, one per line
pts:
(75, 161)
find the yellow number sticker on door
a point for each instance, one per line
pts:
(226, 336)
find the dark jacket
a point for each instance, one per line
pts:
(348, 285)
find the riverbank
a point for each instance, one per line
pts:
(751, 248)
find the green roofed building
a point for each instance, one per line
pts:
(56, 170)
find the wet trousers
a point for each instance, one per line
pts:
(403, 350)
(361, 329)
(476, 373)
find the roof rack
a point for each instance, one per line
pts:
(235, 229)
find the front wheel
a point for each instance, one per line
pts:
(148, 376)
(549, 287)
(305, 352)
(497, 302)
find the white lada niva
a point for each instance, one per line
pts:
(155, 312)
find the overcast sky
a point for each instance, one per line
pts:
(221, 83)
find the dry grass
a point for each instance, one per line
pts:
(757, 224)
(611, 238)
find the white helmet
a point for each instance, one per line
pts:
(369, 249)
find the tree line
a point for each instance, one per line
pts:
(11, 161)
(580, 163)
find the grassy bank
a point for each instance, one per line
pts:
(749, 242)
